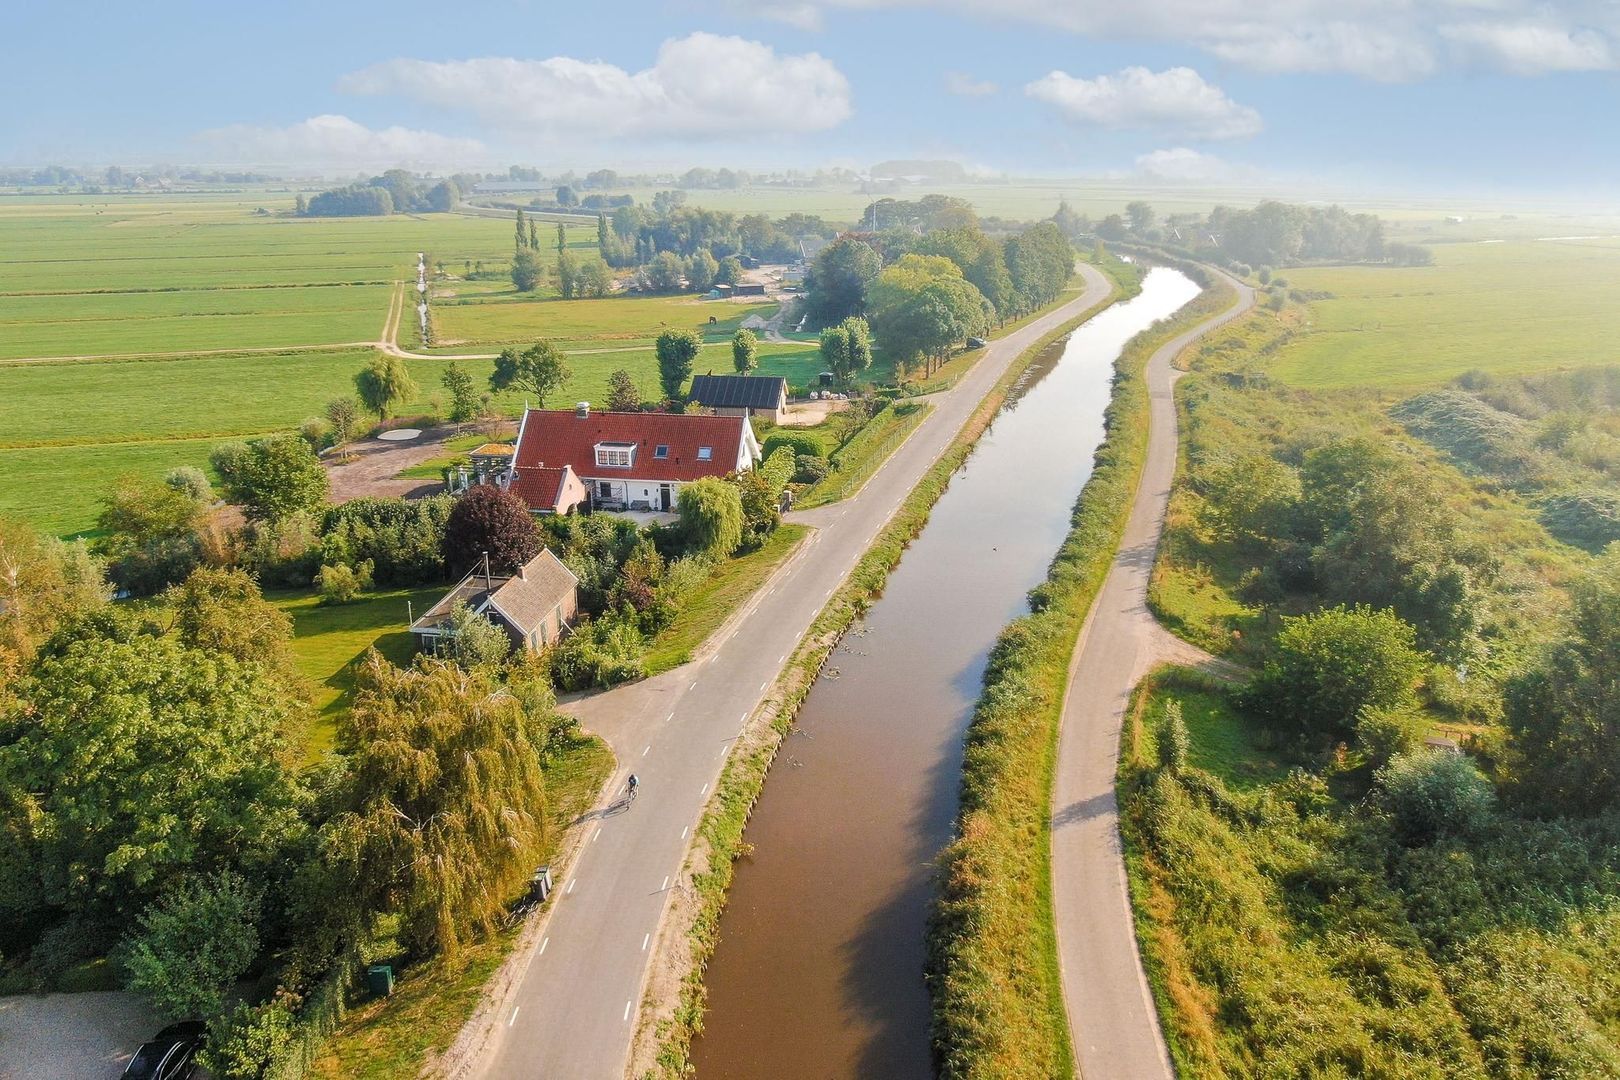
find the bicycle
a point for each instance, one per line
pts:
(631, 786)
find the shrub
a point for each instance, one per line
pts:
(187, 950)
(1330, 665)
(600, 652)
(1174, 742)
(801, 442)
(249, 1041)
(778, 469)
(315, 431)
(401, 538)
(1386, 733)
(190, 481)
(1434, 793)
(340, 584)
(809, 468)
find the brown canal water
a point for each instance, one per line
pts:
(818, 973)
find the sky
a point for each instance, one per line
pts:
(1476, 95)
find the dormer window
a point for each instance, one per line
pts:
(661, 451)
(705, 453)
(615, 455)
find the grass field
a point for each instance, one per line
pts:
(1508, 307)
(327, 640)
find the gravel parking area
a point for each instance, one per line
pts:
(83, 1036)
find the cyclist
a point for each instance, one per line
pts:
(634, 783)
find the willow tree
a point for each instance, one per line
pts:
(449, 800)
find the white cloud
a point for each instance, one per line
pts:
(1386, 40)
(1533, 48)
(1177, 99)
(1182, 163)
(700, 86)
(799, 16)
(963, 85)
(338, 142)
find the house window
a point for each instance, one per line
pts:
(661, 451)
(604, 490)
(705, 453)
(615, 455)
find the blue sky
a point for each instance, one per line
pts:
(1468, 94)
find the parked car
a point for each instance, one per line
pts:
(975, 343)
(171, 1054)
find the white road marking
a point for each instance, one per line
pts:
(627, 1010)
(644, 939)
(544, 942)
(763, 685)
(705, 790)
(670, 717)
(665, 885)
(692, 687)
(515, 1009)
(744, 719)
(685, 831)
(644, 752)
(597, 835)
(781, 658)
(571, 883)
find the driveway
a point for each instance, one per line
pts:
(83, 1036)
(1113, 1023)
(372, 466)
(574, 1007)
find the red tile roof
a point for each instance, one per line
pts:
(556, 437)
(541, 487)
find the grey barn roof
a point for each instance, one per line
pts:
(739, 391)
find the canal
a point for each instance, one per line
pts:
(818, 973)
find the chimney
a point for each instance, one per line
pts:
(523, 574)
(583, 410)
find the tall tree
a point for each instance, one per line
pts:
(677, 351)
(534, 235)
(623, 394)
(562, 238)
(520, 235)
(711, 516)
(142, 760)
(525, 271)
(384, 384)
(463, 393)
(449, 798)
(744, 351)
(148, 534)
(273, 477)
(489, 520)
(541, 370)
(44, 583)
(837, 282)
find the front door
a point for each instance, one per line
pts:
(666, 496)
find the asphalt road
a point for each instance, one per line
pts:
(573, 1013)
(1113, 1023)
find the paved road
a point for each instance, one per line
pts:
(1112, 1020)
(574, 1011)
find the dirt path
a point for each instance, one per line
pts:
(372, 466)
(1113, 1022)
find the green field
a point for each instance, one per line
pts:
(1508, 307)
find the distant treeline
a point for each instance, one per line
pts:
(394, 192)
(1272, 234)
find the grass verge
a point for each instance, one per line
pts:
(395, 1036)
(993, 964)
(861, 457)
(665, 1047)
(731, 584)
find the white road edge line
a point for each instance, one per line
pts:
(665, 885)
(543, 943)
(644, 939)
(644, 752)
(705, 790)
(685, 831)
(627, 1010)
(513, 1018)
(598, 835)
(571, 883)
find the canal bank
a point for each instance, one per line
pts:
(819, 967)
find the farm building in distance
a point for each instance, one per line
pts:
(566, 459)
(534, 605)
(742, 395)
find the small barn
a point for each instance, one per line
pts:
(741, 395)
(535, 604)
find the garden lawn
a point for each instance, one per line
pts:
(1511, 307)
(866, 451)
(328, 639)
(731, 584)
(504, 318)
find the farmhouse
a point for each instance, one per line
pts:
(534, 605)
(622, 461)
(742, 395)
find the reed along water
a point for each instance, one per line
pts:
(818, 973)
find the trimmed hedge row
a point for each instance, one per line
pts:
(992, 964)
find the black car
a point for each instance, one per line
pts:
(170, 1055)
